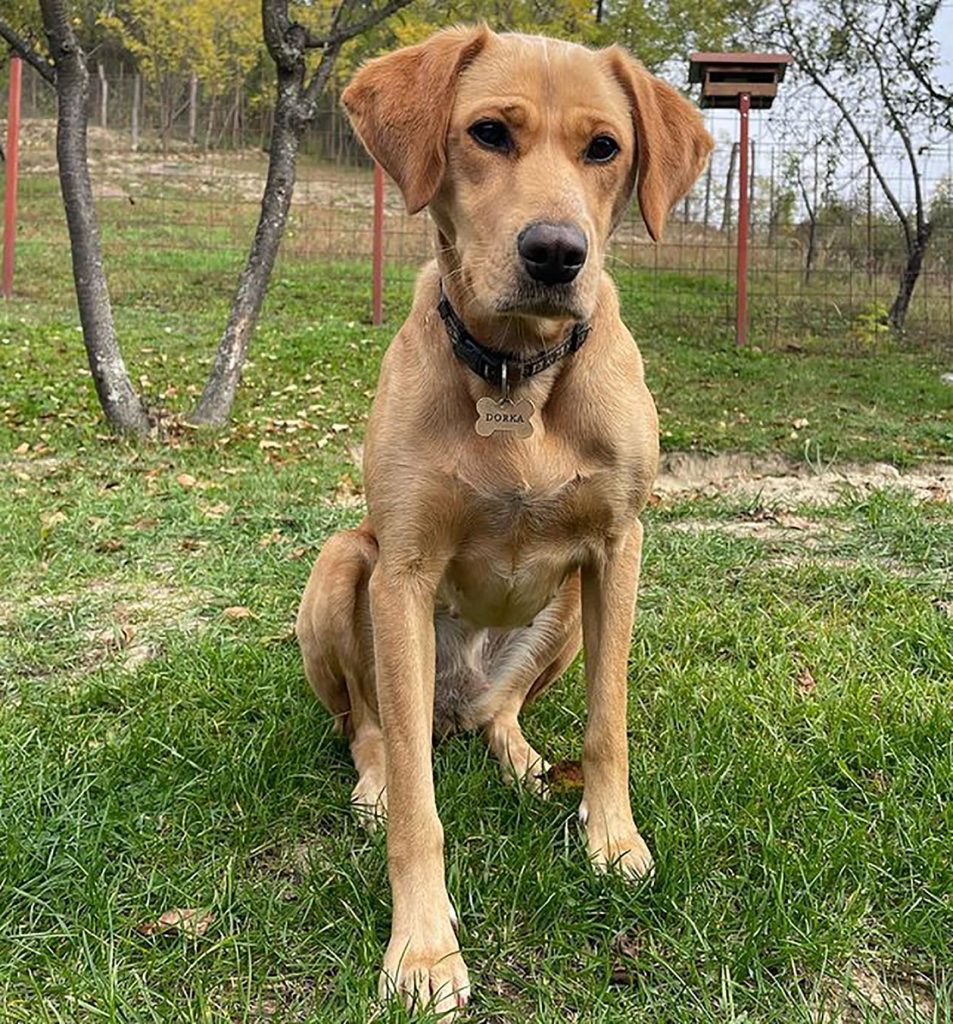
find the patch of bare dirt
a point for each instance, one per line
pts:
(765, 526)
(905, 995)
(784, 484)
(133, 620)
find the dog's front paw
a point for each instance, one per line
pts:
(426, 972)
(369, 800)
(614, 844)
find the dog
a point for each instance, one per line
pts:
(511, 447)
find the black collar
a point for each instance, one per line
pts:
(489, 364)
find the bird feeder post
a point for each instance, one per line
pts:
(744, 219)
(742, 82)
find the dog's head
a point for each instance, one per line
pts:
(527, 151)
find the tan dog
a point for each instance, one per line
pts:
(487, 557)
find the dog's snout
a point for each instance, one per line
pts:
(552, 253)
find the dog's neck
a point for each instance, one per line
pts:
(517, 334)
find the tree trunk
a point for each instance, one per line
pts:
(123, 408)
(295, 109)
(911, 274)
(103, 96)
(215, 404)
(193, 106)
(211, 121)
(136, 100)
(810, 257)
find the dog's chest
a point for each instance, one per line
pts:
(521, 539)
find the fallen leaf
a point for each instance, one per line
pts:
(50, 520)
(236, 611)
(190, 921)
(186, 480)
(110, 544)
(805, 681)
(21, 449)
(800, 423)
(791, 522)
(564, 777)
(280, 638)
(627, 948)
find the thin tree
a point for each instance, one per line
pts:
(296, 107)
(876, 60)
(67, 72)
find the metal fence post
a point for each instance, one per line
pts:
(377, 250)
(12, 170)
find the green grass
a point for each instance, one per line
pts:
(156, 752)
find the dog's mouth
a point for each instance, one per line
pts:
(552, 301)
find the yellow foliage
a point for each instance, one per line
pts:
(218, 40)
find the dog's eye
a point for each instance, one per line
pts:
(491, 134)
(602, 149)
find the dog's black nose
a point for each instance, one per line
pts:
(552, 253)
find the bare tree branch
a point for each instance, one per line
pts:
(28, 52)
(816, 75)
(338, 36)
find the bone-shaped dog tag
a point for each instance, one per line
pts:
(506, 416)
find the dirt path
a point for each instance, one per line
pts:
(781, 482)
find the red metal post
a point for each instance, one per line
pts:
(741, 309)
(12, 167)
(377, 253)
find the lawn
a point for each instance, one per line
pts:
(791, 718)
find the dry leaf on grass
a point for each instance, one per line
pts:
(186, 480)
(628, 948)
(564, 777)
(190, 921)
(284, 637)
(791, 522)
(236, 611)
(805, 681)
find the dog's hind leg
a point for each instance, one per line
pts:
(524, 663)
(337, 645)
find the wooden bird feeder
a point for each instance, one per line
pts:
(742, 82)
(726, 77)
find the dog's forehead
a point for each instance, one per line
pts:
(544, 71)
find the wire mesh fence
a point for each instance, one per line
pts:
(826, 254)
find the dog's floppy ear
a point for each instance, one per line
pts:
(400, 106)
(671, 141)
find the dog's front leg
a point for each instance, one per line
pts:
(609, 588)
(422, 963)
